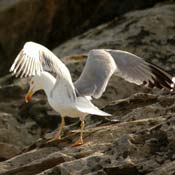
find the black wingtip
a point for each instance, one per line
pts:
(161, 79)
(173, 84)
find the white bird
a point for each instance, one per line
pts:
(74, 99)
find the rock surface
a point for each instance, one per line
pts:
(146, 33)
(138, 139)
(51, 22)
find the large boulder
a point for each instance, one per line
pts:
(141, 141)
(52, 22)
(146, 33)
(139, 136)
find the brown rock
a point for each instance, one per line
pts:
(123, 147)
(7, 151)
(52, 22)
(148, 33)
(137, 139)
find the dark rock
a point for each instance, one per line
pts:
(52, 22)
(141, 32)
(34, 162)
(123, 147)
(12, 132)
(122, 170)
(167, 168)
(7, 151)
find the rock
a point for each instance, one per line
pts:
(148, 33)
(137, 139)
(52, 22)
(19, 167)
(167, 168)
(20, 22)
(13, 129)
(12, 132)
(122, 169)
(7, 151)
(124, 147)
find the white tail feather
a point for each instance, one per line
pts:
(85, 106)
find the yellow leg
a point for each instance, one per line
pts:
(58, 134)
(80, 140)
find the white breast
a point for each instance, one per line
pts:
(62, 102)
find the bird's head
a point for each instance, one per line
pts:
(35, 85)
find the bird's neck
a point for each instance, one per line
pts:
(48, 83)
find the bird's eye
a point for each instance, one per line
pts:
(32, 82)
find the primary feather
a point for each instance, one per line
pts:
(101, 64)
(35, 58)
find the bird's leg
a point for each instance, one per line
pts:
(58, 134)
(80, 140)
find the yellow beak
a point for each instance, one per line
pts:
(28, 96)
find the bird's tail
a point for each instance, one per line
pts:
(97, 111)
(84, 105)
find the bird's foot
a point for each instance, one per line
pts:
(54, 139)
(78, 143)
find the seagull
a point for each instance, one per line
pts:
(47, 72)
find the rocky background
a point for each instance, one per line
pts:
(139, 137)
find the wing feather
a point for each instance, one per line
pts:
(98, 69)
(16, 64)
(102, 63)
(35, 58)
(20, 66)
(146, 73)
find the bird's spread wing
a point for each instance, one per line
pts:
(98, 69)
(101, 64)
(35, 58)
(135, 70)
